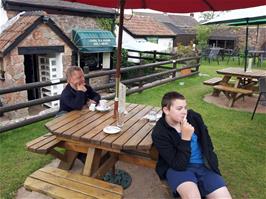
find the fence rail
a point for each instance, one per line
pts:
(168, 70)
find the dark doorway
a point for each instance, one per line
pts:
(31, 72)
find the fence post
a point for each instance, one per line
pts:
(174, 67)
(198, 64)
(86, 72)
(154, 56)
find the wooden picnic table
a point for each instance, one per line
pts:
(82, 131)
(243, 85)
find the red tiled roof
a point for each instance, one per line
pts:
(146, 26)
(9, 35)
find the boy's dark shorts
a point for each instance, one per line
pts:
(207, 180)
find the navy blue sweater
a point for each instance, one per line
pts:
(174, 152)
(72, 99)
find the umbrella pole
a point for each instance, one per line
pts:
(119, 56)
(246, 48)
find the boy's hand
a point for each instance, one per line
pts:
(186, 130)
(81, 87)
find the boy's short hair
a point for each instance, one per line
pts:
(169, 97)
(71, 69)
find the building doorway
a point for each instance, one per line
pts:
(32, 75)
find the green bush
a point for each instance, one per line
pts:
(185, 51)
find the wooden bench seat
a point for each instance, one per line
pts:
(232, 89)
(57, 183)
(213, 81)
(43, 144)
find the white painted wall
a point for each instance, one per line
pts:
(166, 44)
(3, 16)
(106, 60)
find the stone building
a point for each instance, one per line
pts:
(38, 46)
(33, 49)
(235, 37)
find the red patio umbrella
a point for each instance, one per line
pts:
(175, 6)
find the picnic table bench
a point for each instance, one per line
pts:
(213, 81)
(45, 144)
(243, 85)
(58, 183)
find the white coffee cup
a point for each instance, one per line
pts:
(92, 107)
(152, 116)
(103, 103)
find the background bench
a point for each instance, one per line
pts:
(213, 81)
(232, 93)
(233, 89)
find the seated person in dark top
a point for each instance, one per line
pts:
(186, 155)
(76, 94)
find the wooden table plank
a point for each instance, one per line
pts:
(78, 129)
(91, 126)
(60, 118)
(68, 119)
(106, 140)
(146, 143)
(74, 122)
(97, 134)
(133, 142)
(233, 71)
(130, 128)
(87, 128)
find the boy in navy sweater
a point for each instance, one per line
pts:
(76, 94)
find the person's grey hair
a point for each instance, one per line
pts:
(71, 69)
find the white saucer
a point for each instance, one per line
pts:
(102, 109)
(148, 117)
(111, 129)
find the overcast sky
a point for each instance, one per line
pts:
(197, 14)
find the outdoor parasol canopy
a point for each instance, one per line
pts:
(174, 6)
(255, 16)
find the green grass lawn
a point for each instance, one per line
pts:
(239, 142)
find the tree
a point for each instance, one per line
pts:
(206, 16)
(203, 33)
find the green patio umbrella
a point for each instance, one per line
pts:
(245, 17)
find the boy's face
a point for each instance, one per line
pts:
(77, 78)
(177, 111)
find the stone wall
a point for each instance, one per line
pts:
(240, 34)
(98, 81)
(67, 23)
(253, 40)
(14, 65)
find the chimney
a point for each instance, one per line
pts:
(191, 14)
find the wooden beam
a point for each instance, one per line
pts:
(92, 161)
(137, 160)
(106, 166)
(69, 157)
